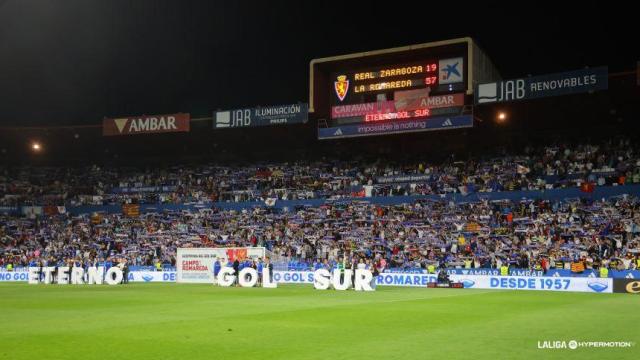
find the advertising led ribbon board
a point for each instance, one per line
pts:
(565, 83)
(261, 116)
(531, 283)
(405, 126)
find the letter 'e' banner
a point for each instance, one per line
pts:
(148, 124)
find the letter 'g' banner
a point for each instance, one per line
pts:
(151, 124)
(195, 265)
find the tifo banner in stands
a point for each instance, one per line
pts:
(572, 82)
(151, 124)
(131, 210)
(261, 116)
(195, 265)
(396, 127)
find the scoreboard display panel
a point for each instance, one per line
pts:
(415, 88)
(366, 85)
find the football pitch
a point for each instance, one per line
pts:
(185, 321)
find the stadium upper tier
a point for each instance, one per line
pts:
(548, 167)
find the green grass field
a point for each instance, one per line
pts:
(180, 321)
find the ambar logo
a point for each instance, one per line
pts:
(146, 124)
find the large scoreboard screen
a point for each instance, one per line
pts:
(417, 88)
(367, 84)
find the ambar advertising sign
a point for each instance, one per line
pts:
(147, 124)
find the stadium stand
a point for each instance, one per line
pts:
(410, 235)
(544, 168)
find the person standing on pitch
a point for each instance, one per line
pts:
(125, 271)
(216, 270)
(236, 269)
(259, 267)
(354, 266)
(375, 273)
(268, 266)
(340, 266)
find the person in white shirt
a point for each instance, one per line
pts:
(361, 264)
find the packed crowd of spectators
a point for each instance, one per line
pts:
(535, 169)
(526, 234)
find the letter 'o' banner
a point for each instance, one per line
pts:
(147, 124)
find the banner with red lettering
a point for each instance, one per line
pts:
(147, 124)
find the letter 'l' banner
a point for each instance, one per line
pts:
(196, 265)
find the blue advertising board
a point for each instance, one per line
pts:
(397, 127)
(261, 116)
(565, 83)
(580, 284)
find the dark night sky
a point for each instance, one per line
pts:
(76, 61)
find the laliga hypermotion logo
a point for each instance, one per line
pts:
(341, 86)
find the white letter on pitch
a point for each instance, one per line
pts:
(226, 277)
(34, 275)
(346, 279)
(363, 280)
(113, 276)
(243, 277)
(48, 274)
(95, 275)
(63, 275)
(77, 275)
(321, 279)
